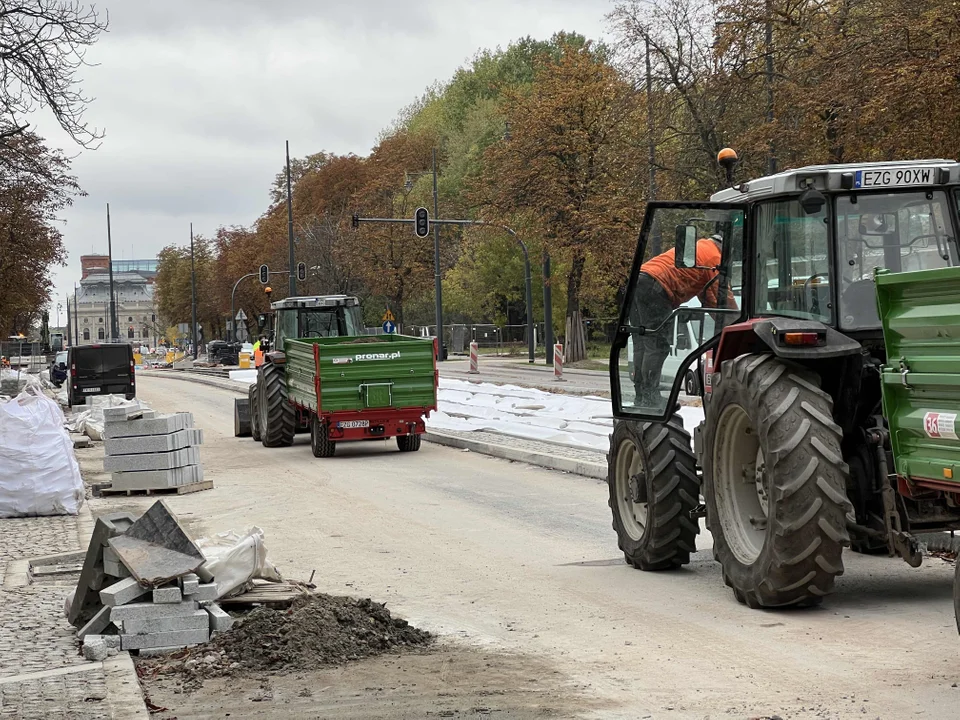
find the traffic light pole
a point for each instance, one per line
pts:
(531, 349)
(193, 297)
(292, 265)
(436, 263)
(233, 295)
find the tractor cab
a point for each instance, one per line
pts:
(797, 256)
(315, 316)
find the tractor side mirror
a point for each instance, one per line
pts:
(685, 247)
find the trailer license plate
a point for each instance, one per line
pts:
(94, 389)
(353, 423)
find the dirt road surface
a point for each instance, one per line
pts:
(517, 570)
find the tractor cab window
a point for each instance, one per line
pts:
(793, 265)
(319, 323)
(679, 298)
(897, 231)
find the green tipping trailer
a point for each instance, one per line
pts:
(920, 312)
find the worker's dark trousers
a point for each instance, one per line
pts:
(649, 307)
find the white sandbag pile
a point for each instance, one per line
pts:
(39, 474)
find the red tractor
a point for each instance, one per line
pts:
(817, 432)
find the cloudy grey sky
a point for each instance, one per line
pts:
(198, 97)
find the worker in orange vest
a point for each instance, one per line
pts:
(661, 288)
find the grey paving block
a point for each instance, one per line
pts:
(153, 479)
(97, 624)
(167, 595)
(110, 555)
(197, 620)
(122, 413)
(206, 592)
(190, 587)
(164, 639)
(115, 569)
(122, 592)
(148, 610)
(137, 444)
(161, 425)
(149, 414)
(151, 461)
(220, 620)
(94, 648)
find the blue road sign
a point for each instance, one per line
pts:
(389, 327)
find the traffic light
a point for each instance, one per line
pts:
(421, 222)
(264, 274)
(301, 271)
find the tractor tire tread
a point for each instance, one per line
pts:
(280, 418)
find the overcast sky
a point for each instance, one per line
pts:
(197, 99)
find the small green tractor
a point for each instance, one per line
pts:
(828, 371)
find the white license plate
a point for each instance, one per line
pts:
(96, 389)
(353, 423)
(896, 177)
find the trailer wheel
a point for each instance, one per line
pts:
(775, 483)
(241, 417)
(254, 413)
(408, 443)
(652, 477)
(277, 414)
(320, 442)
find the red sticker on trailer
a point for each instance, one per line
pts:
(939, 425)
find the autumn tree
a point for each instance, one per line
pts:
(569, 164)
(31, 241)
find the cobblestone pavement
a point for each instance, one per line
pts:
(35, 634)
(534, 446)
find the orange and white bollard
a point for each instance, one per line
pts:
(558, 362)
(474, 359)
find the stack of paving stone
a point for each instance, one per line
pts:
(147, 451)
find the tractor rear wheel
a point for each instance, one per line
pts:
(320, 442)
(408, 443)
(775, 483)
(254, 412)
(278, 417)
(652, 477)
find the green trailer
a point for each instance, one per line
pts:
(362, 388)
(325, 377)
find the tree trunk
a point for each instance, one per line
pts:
(575, 347)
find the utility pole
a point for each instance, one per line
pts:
(768, 51)
(69, 326)
(193, 296)
(114, 326)
(293, 277)
(436, 261)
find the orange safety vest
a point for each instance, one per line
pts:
(681, 284)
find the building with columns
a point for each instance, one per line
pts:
(134, 295)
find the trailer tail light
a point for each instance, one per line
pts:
(801, 338)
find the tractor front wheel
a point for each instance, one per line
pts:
(277, 415)
(775, 483)
(652, 478)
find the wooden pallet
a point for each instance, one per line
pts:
(272, 594)
(179, 490)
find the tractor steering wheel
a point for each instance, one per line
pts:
(814, 303)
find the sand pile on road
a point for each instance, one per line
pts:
(317, 630)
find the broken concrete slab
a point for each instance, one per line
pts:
(148, 611)
(122, 592)
(197, 620)
(151, 461)
(164, 639)
(86, 599)
(156, 549)
(98, 623)
(161, 425)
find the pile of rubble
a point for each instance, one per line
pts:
(142, 588)
(148, 451)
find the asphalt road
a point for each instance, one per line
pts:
(509, 557)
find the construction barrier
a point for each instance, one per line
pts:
(474, 359)
(558, 362)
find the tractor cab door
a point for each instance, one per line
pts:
(685, 287)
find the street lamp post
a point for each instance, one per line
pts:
(293, 264)
(193, 297)
(59, 308)
(436, 262)
(114, 325)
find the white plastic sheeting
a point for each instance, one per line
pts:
(39, 474)
(234, 559)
